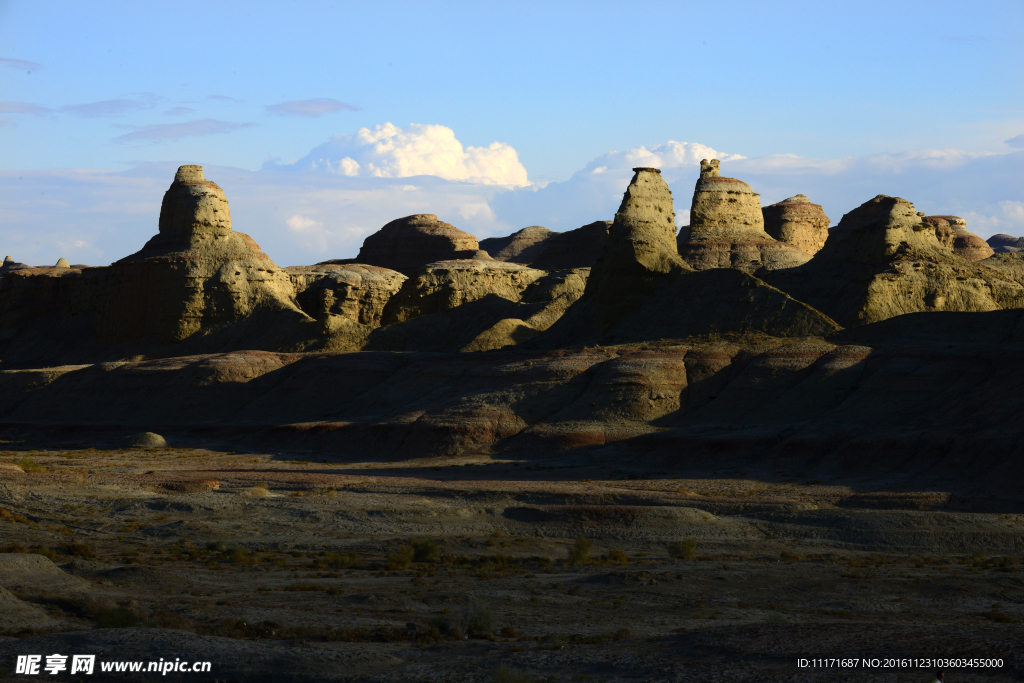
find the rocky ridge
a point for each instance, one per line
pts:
(407, 244)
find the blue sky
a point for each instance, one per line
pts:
(495, 116)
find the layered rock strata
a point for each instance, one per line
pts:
(641, 289)
(727, 228)
(354, 291)
(798, 223)
(407, 244)
(195, 274)
(963, 242)
(578, 248)
(10, 264)
(884, 260)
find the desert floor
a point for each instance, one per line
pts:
(292, 566)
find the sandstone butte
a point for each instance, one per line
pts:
(1002, 243)
(640, 288)
(883, 260)
(952, 232)
(798, 223)
(541, 248)
(727, 228)
(409, 243)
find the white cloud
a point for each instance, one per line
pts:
(390, 151)
(1008, 218)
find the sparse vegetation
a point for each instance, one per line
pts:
(479, 616)
(401, 558)
(579, 551)
(27, 464)
(687, 550)
(425, 550)
(503, 673)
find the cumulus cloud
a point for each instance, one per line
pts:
(162, 132)
(1016, 141)
(310, 108)
(20, 64)
(390, 151)
(22, 108)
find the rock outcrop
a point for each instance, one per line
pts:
(641, 289)
(578, 248)
(519, 247)
(448, 284)
(196, 274)
(62, 263)
(10, 264)
(354, 291)
(407, 244)
(963, 242)
(727, 228)
(798, 223)
(1002, 243)
(884, 260)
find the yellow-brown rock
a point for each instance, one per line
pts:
(408, 244)
(354, 291)
(195, 274)
(798, 223)
(727, 228)
(447, 284)
(964, 242)
(519, 247)
(884, 260)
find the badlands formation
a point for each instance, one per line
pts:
(616, 453)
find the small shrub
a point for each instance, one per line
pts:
(687, 550)
(243, 556)
(786, 556)
(425, 550)
(479, 616)
(80, 550)
(775, 619)
(579, 552)
(441, 623)
(45, 552)
(258, 490)
(623, 634)
(27, 464)
(503, 673)
(617, 557)
(401, 558)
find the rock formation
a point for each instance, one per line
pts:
(10, 264)
(409, 243)
(641, 289)
(1002, 243)
(883, 260)
(963, 242)
(195, 274)
(62, 263)
(447, 284)
(798, 223)
(578, 248)
(541, 248)
(519, 247)
(727, 228)
(354, 291)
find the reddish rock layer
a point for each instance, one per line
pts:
(798, 223)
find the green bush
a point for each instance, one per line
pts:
(401, 558)
(687, 550)
(425, 550)
(579, 552)
(479, 616)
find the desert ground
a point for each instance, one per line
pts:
(298, 566)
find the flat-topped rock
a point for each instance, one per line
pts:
(444, 285)
(355, 291)
(884, 260)
(797, 222)
(409, 243)
(727, 228)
